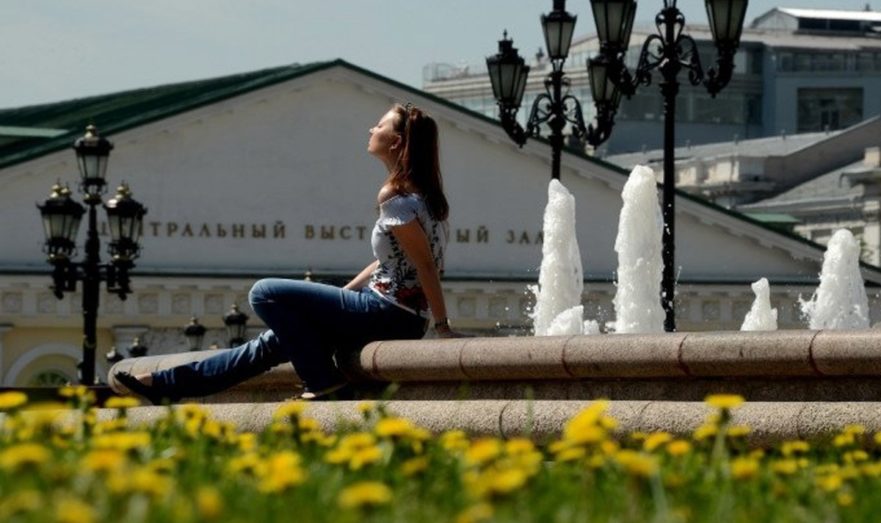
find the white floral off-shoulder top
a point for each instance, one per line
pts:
(395, 278)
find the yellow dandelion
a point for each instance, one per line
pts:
(12, 400)
(414, 466)
(571, 454)
(162, 465)
(123, 441)
(364, 494)
(785, 467)
(122, 402)
(147, 481)
(505, 481)
(637, 463)
(872, 470)
(738, 431)
(320, 438)
(247, 441)
(678, 447)
(844, 499)
(476, 513)
(830, 482)
(849, 472)
(338, 455)
(357, 440)
(724, 401)
(209, 503)
(19, 503)
(789, 448)
(518, 446)
(589, 418)
(70, 510)
(249, 463)
(392, 427)
(855, 456)
(655, 440)
(596, 461)
(365, 456)
(608, 422)
(855, 429)
(826, 468)
(483, 450)
(454, 441)
(23, 455)
(105, 460)
(309, 424)
(845, 439)
(705, 431)
(744, 468)
(366, 407)
(586, 435)
(418, 434)
(291, 409)
(282, 471)
(609, 447)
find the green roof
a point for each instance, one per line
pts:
(28, 137)
(771, 217)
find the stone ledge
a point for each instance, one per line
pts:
(771, 422)
(762, 366)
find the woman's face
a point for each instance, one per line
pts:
(384, 139)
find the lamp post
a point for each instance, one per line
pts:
(61, 219)
(195, 333)
(555, 107)
(236, 323)
(670, 52)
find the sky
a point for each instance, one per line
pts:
(53, 50)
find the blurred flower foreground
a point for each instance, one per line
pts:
(60, 463)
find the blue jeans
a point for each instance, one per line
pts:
(307, 323)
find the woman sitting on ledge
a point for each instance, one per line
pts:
(389, 299)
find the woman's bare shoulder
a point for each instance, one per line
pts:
(386, 193)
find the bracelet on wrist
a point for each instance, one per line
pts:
(440, 324)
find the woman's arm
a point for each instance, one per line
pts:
(415, 244)
(358, 282)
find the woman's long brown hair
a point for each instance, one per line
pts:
(418, 165)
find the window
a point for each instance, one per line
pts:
(829, 109)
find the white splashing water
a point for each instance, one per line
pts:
(840, 302)
(640, 265)
(560, 281)
(761, 317)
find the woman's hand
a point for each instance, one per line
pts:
(444, 330)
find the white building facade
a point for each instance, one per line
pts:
(268, 175)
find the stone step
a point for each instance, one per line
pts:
(771, 422)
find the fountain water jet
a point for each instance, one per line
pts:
(640, 265)
(558, 307)
(761, 317)
(840, 302)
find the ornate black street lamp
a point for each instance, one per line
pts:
(555, 107)
(195, 333)
(669, 51)
(236, 323)
(61, 218)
